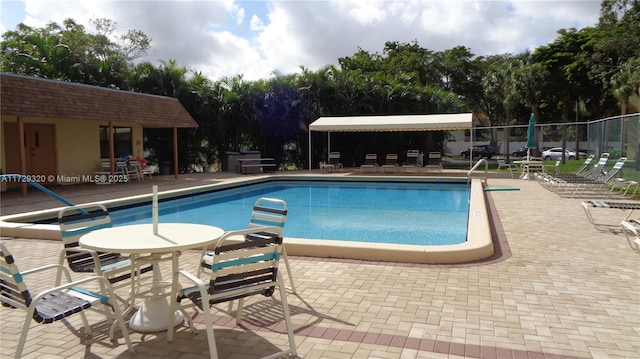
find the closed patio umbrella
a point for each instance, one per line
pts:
(531, 135)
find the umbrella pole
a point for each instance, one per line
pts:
(526, 174)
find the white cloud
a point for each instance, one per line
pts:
(213, 37)
(256, 23)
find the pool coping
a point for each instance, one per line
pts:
(479, 244)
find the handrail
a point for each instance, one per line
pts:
(486, 169)
(22, 178)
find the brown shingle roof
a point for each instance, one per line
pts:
(36, 97)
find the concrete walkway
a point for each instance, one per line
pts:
(559, 289)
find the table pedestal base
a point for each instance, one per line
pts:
(153, 316)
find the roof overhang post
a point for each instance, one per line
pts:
(328, 144)
(471, 144)
(175, 152)
(112, 153)
(23, 155)
(309, 150)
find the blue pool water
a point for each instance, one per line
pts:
(383, 212)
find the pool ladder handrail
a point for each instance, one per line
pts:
(22, 178)
(486, 169)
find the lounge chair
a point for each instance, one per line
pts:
(238, 270)
(631, 229)
(326, 167)
(581, 172)
(56, 303)
(412, 160)
(391, 162)
(594, 173)
(585, 165)
(623, 186)
(628, 207)
(370, 162)
(434, 162)
(75, 221)
(334, 160)
(578, 172)
(589, 186)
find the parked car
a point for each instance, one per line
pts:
(520, 152)
(479, 151)
(555, 153)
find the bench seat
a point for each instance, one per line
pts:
(259, 166)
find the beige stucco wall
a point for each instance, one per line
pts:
(77, 144)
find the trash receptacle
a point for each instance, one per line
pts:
(165, 167)
(230, 161)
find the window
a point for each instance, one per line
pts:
(122, 141)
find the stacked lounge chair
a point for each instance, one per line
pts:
(580, 173)
(391, 162)
(370, 162)
(412, 160)
(334, 161)
(587, 186)
(435, 162)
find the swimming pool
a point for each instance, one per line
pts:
(381, 212)
(478, 244)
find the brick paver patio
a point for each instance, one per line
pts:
(559, 289)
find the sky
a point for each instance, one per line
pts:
(255, 39)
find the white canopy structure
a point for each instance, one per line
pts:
(391, 123)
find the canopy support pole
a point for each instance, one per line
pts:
(328, 144)
(309, 150)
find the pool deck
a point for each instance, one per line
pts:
(558, 288)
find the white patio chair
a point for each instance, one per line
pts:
(58, 302)
(238, 269)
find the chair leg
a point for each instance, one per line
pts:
(287, 316)
(85, 322)
(123, 327)
(239, 312)
(175, 288)
(289, 273)
(23, 334)
(208, 321)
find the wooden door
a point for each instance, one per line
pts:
(40, 154)
(41, 149)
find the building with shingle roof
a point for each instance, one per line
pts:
(61, 129)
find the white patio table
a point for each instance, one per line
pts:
(529, 166)
(145, 247)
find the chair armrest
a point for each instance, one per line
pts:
(76, 252)
(79, 251)
(244, 232)
(240, 232)
(75, 283)
(202, 287)
(58, 267)
(197, 281)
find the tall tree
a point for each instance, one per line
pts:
(69, 52)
